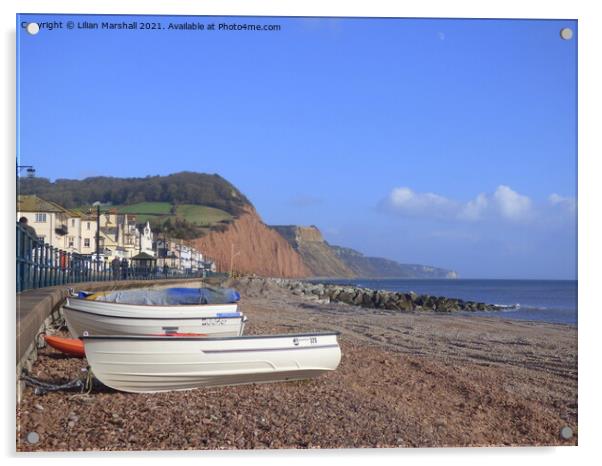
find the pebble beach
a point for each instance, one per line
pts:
(406, 379)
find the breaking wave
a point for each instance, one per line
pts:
(508, 306)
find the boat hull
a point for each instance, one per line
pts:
(145, 310)
(90, 323)
(158, 364)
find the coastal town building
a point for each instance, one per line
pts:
(120, 237)
(185, 257)
(84, 234)
(146, 240)
(197, 260)
(59, 227)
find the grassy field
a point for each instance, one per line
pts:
(153, 218)
(157, 213)
(152, 208)
(201, 215)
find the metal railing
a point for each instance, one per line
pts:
(40, 265)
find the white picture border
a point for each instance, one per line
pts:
(589, 195)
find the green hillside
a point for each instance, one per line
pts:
(150, 192)
(154, 212)
(202, 215)
(153, 208)
(182, 221)
(185, 205)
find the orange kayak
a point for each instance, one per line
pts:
(70, 346)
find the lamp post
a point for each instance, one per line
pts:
(165, 249)
(97, 203)
(97, 237)
(232, 256)
(31, 171)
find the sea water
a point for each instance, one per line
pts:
(539, 300)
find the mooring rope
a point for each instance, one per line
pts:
(89, 383)
(38, 342)
(41, 387)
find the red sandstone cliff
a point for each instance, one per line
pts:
(257, 249)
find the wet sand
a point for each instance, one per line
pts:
(405, 380)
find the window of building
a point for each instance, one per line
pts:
(40, 218)
(72, 222)
(88, 225)
(86, 242)
(71, 241)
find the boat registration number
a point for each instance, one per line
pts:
(305, 341)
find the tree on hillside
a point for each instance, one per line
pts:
(178, 188)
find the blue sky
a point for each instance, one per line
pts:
(442, 142)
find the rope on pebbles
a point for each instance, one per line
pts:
(41, 388)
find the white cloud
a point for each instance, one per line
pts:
(503, 204)
(511, 205)
(475, 209)
(406, 201)
(567, 203)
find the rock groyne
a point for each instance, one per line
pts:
(369, 298)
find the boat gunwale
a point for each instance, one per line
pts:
(241, 316)
(171, 338)
(149, 305)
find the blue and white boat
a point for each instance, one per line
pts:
(209, 311)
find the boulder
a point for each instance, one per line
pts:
(368, 299)
(430, 302)
(380, 297)
(405, 305)
(345, 297)
(392, 306)
(358, 299)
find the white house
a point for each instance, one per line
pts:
(197, 259)
(185, 257)
(119, 235)
(146, 240)
(59, 227)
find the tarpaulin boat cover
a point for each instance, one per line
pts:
(173, 296)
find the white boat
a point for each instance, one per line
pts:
(144, 364)
(167, 299)
(106, 318)
(138, 310)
